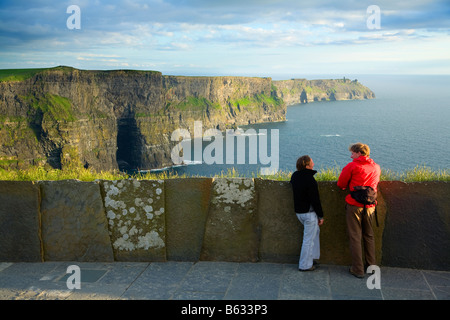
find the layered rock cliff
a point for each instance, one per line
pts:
(109, 119)
(296, 91)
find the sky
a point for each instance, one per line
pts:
(281, 39)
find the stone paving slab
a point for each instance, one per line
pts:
(211, 280)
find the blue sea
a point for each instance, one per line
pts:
(406, 125)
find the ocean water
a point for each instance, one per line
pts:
(408, 124)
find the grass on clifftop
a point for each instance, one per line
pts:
(18, 74)
(418, 174)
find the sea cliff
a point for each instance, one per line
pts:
(296, 91)
(106, 120)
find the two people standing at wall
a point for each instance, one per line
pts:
(362, 171)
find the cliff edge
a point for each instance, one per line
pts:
(296, 91)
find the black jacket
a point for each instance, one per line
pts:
(306, 192)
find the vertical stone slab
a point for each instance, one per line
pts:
(417, 232)
(379, 231)
(281, 232)
(187, 204)
(19, 222)
(135, 210)
(74, 226)
(334, 242)
(231, 232)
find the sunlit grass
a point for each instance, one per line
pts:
(418, 174)
(43, 174)
(424, 173)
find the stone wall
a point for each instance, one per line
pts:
(226, 219)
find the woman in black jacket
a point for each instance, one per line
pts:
(309, 211)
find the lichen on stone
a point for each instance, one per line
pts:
(133, 222)
(150, 240)
(234, 191)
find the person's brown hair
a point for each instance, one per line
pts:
(302, 162)
(360, 147)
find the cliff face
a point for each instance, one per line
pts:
(303, 91)
(106, 119)
(64, 115)
(124, 119)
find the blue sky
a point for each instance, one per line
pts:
(273, 38)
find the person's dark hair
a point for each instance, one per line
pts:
(302, 162)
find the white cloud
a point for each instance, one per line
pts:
(224, 36)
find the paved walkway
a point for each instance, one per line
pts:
(213, 281)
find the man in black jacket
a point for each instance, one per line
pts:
(309, 211)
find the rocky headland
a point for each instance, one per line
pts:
(296, 91)
(107, 120)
